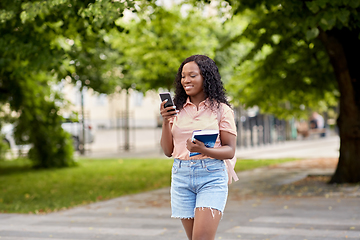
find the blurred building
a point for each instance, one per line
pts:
(109, 111)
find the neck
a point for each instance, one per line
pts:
(196, 100)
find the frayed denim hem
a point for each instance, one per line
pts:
(182, 218)
(213, 212)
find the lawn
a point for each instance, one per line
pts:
(26, 190)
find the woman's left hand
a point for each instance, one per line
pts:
(195, 146)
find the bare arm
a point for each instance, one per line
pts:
(166, 141)
(226, 151)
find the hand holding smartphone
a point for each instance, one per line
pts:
(167, 96)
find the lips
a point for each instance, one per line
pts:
(187, 87)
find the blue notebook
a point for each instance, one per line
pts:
(208, 137)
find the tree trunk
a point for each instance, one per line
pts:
(343, 49)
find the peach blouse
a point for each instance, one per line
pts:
(190, 119)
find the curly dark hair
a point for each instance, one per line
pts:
(213, 86)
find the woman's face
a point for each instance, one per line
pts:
(191, 80)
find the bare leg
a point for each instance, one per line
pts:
(206, 223)
(188, 226)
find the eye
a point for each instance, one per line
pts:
(182, 76)
(193, 76)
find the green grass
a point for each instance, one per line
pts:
(27, 190)
(247, 164)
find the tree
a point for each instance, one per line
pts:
(154, 44)
(305, 53)
(41, 43)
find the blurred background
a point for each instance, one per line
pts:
(78, 77)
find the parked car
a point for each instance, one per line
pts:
(74, 128)
(8, 137)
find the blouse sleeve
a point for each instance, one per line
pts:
(227, 120)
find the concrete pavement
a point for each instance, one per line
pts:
(308, 148)
(149, 147)
(290, 201)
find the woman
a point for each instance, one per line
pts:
(199, 184)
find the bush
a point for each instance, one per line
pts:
(52, 146)
(4, 147)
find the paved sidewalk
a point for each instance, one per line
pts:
(290, 201)
(309, 148)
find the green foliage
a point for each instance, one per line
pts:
(4, 118)
(3, 147)
(39, 124)
(288, 68)
(41, 43)
(155, 44)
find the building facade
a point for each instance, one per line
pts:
(104, 111)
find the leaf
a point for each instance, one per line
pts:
(328, 20)
(312, 33)
(354, 3)
(321, 3)
(313, 6)
(6, 15)
(343, 16)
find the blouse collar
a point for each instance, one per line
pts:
(206, 102)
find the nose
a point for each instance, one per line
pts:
(186, 79)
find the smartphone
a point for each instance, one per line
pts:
(167, 95)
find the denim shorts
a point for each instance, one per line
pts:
(198, 184)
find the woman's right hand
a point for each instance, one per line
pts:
(166, 140)
(167, 113)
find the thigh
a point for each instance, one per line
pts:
(188, 225)
(206, 223)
